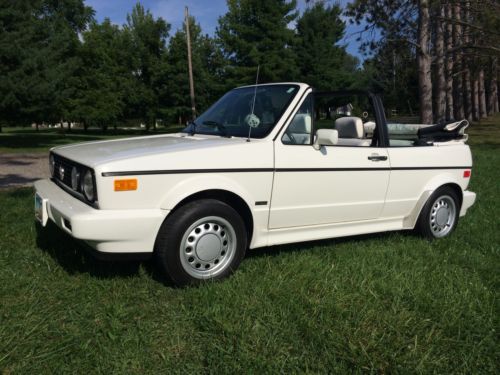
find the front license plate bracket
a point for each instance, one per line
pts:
(41, 209)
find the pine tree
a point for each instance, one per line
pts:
(255, 32)
(322, 62)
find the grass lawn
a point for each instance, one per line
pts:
(389, 302)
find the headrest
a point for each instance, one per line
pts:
(349, 127)
(301, 123)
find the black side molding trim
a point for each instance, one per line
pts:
(330, 169)
(424, 168)
(258, 170)
(184, 171)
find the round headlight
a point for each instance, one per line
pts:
(52, 164)
(88, 186)
(75, 176)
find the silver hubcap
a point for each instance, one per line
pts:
(442, 216)
(208, 247)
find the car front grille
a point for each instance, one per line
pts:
(62, 169)
(62, 176)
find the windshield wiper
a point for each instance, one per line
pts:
(217, 125)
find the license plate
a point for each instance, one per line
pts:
(40, 209)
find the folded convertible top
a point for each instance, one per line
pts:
(443, 131)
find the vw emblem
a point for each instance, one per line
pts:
(61, 172)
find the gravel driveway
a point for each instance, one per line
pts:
(22, 169)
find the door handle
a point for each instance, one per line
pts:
(377, 157)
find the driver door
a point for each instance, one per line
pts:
(342, 183)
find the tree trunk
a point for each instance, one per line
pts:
(466, 66)
(449, 64)
(493, 102)
(457, 57)
(424, 64)
(440, 110)
(482, 95)
(475, 99)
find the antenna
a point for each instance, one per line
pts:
(190, 65)
(253, 103)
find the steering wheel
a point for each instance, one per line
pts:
(290, 135)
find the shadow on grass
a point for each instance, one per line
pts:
(74, 257)
(13, 179)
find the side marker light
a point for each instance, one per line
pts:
(126, 185)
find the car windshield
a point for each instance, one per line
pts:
(232, 114)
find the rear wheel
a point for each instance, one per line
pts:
(203, 240)
(439, 217)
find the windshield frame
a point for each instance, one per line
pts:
(193, 127)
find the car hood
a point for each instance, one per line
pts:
(119, 151)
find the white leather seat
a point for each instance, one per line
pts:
(351, 132)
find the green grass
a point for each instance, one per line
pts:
(485, 132)
(389, 302)
(20, 140)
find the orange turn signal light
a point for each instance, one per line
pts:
(126, 185)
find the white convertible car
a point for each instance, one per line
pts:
(265, 165)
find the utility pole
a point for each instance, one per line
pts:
(190, 65)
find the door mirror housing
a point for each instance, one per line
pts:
(326, 137)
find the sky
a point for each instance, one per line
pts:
(206, 12)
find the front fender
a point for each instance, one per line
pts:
(196, 184)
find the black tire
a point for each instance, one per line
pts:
(446, 199)
(214, 221)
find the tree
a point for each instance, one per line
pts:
(253, 33)
(449, 61)
(321, 61)
(440, 76)
(146, 36)
(104, 77)
(39, 57)
(424, 63)
(403, 22)
(471, 38)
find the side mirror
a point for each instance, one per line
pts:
(326, 137)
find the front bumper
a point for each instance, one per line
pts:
(106, 231)
(468, 200)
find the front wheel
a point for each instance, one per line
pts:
(439, 217)
(203, 240)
